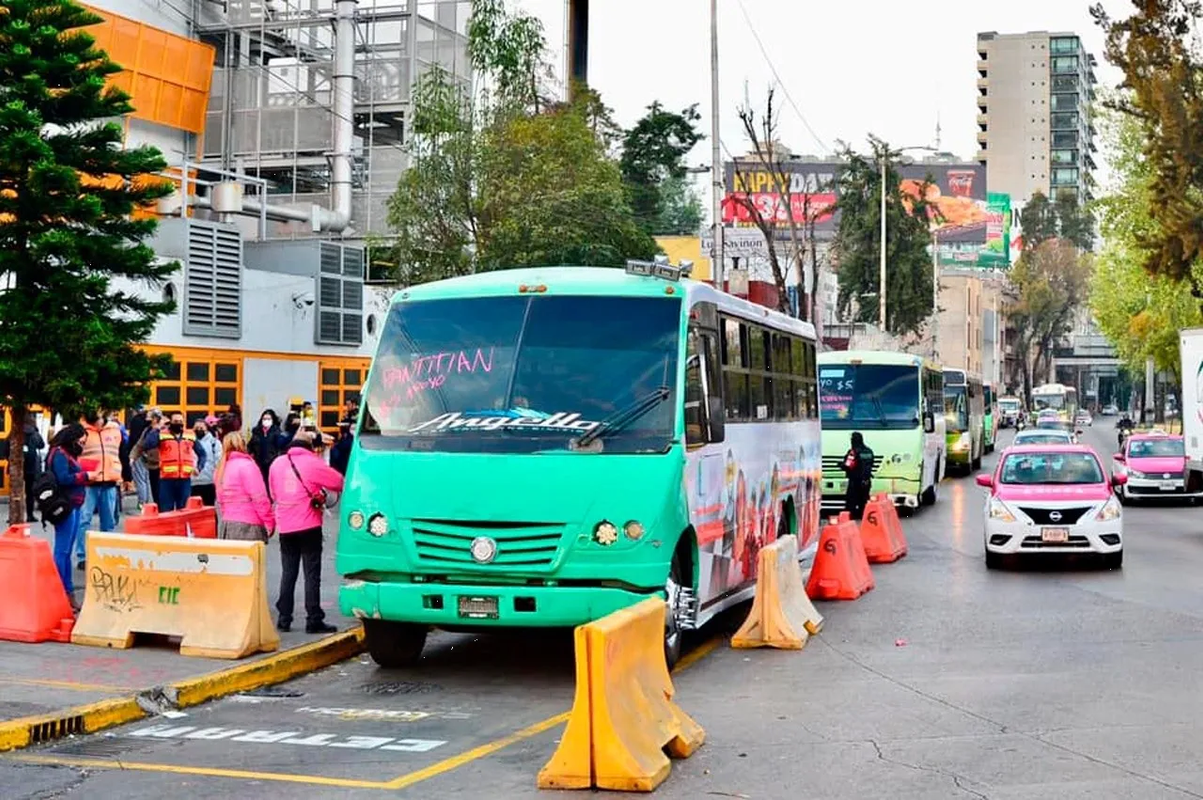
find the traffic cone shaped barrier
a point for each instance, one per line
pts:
(881, 531)
(782, 615)
(33, 603)
(841, 569)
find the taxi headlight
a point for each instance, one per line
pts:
(1110, 510)
(1135, 473)
(999, 511)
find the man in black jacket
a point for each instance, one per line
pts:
(32, 466)
(858, 466)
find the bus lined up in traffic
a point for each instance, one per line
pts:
(1055, 398)
(896, 401)
(964, 413)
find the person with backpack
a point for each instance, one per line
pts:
(858, 466)
(61, 491)
(101, 459)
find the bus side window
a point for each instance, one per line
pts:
(704, 422)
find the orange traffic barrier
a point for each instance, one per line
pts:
(195, 521)
(33, 603)
(782, 615)
(841, 569)
(211, 593)
(881, 531)
(623, 718)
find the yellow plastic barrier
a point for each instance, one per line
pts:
(782, 615)
(209, 592)
(623, 718)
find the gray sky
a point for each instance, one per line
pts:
(852, 67)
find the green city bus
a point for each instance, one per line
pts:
(964, 412)
(542, 447)
(896, 401)
(990, 417)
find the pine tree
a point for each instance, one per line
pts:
(67, 191)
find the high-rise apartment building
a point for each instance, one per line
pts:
(1034, 126)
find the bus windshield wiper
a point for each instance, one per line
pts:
(623, 417)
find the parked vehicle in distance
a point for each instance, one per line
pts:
(1155, 465)
(1052, 500)
(1009, 411)
(1043, 436)
(1083, 418)
(1110, 410)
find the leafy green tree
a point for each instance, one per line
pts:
(1156, 48)
(1042, 220)
(858, 243)
(1038, 221)
(1140, 313)
(67, 190)
(1074, 222)
(653, 153)
(506, 177)
(681, 212)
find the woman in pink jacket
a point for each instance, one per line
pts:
(299, 480)
(246, 510)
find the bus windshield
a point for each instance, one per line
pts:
(1008, 404)
(956, 408)
(1043, 401)
(524, 374)
(882, 396)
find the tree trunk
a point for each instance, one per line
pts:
(16, 464)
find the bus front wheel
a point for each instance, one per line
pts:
(677, 595)
(394, 645)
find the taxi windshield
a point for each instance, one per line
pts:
(1156, 448)
(1051, 468)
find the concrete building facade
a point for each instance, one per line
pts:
(970, 322)
(1035, 133)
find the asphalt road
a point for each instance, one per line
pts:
(946, 681)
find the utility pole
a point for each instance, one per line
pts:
(881, 296)
(716, 154)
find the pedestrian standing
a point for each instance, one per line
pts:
(264, 444)
(63, 463)
(179, 460)
(127, 475)
(858, 466)
(245, 508)
(139, 424)
(299, 480)
(101, 459)
(32, 466)
(208, 443)
(146, 451)
(340, 453)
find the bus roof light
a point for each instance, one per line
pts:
(660, 268)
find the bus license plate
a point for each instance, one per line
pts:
(1056, 535)
(478, 607)
(1167, 486)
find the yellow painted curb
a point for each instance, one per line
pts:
(276, 668)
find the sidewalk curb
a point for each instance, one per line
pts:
(276, 668)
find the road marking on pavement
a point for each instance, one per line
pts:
(212, 734)
(383, 714)
(72, 685)
(400, 782)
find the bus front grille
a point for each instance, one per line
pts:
(831, 464)
(519, 544)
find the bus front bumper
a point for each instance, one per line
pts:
(902, 491)
(454, 605)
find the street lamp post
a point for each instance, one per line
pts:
(881, 294)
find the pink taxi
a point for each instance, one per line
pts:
(1052, 499)
(1155, 465)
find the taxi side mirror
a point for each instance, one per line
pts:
(1119, 479)
(985, 481)
(1119, 457)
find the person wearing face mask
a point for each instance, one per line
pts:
(179, 461)
(208, 444)
(145, 458)
(101, 459)
(264, 445)
(63, 463)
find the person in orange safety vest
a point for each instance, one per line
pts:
(179, 460)
(101, 459)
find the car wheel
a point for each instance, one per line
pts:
(394, 645)
(994, 560)
(1114, 560)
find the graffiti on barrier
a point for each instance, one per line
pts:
(117, 592)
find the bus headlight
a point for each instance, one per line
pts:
(378, 525)
(962, 442)
(604, 533)
(633, 530)
(355, 520)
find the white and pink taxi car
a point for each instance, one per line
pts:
(1155, 464)
(1052, 499)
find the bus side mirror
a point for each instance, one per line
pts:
(929, 422)
(718, 419)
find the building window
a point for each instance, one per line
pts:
(199, 385)
(341, 381)
(1063, 156)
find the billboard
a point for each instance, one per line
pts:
(958, 192)
(992, 251)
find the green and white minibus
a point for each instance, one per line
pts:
(896, 401)
(964, 411)
(542, 447)
(990, 414)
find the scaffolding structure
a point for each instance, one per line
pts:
(272, 112)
